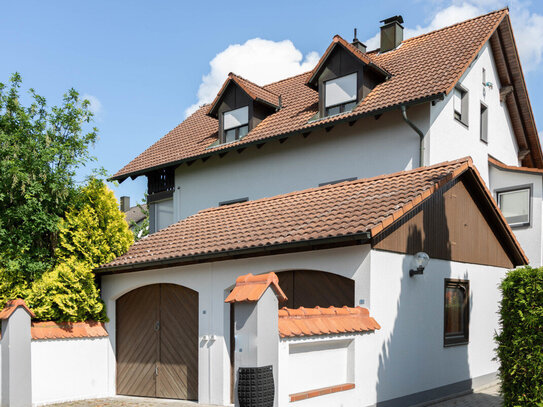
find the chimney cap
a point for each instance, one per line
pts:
(394, 19)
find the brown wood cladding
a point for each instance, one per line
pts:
(311, 288)
(157, 342)
(448, 226)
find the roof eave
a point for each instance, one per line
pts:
(317, 125)
(310, 244)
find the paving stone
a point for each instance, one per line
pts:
(486, 397)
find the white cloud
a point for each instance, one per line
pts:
(527, 26)
(95, 104)
(258, 60)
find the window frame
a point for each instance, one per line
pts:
(237, 129)
(464, 106)
(456, 340)
(483, 125)
(515, 188)
(340, 105)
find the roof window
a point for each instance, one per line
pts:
(236, 124)
(340, 94)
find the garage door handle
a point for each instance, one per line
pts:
(156, 370)
(157, 325)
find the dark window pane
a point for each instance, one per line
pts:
(349, 106)
(454, 311)
(333, 110)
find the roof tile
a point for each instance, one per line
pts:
(67, 330)
(421, 68)
(249, 288)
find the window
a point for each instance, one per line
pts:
(340, 94)
(460, 103)
(236, 124)
(515, 205)
(456, 323)
(163, 214)
(233, 201)
(484, 123)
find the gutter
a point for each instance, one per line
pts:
(321, 123)
(356, 238)
(403, 108)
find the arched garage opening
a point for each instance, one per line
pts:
(157, 342)
(311, 288)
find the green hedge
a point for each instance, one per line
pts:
(520, 343)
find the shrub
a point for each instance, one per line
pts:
(520, 342)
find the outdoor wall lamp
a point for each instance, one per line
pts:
(421, 261)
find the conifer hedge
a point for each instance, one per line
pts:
(520, 342)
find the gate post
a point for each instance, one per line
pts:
(16, 357)
(256, 341)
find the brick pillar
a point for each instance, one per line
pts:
(16, 362)
(255, 300)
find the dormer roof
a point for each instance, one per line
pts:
(422, 69)
(340, 42)
(255, 92)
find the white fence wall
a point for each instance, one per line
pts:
(69, 369)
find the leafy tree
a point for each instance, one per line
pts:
(40, 150)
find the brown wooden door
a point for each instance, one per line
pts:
(157, 342)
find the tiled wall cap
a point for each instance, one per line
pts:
(12, 305)
(249, 288)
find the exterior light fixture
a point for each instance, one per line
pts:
(420, 261)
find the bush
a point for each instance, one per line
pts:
(520, 343)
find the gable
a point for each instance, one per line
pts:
(450, 225)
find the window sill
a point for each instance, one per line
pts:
(320, 392)
(461, 122)
(451, 345)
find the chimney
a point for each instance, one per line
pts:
(358, 44)
(125, 203)
(391, 33)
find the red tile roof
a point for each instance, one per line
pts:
(353, 210)
(324, 321)
(67, 330)
(422, 68)
(250, 288)
(12, 305)
(496, 163)
(254, 91)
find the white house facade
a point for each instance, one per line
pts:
(338, 237)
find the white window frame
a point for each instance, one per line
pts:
(529, 188)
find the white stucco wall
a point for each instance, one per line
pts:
(529, 237)
(368, 148)
(213, 281)
(406, 356)
(449, 139)
(69, 369)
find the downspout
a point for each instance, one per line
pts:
(418, 131)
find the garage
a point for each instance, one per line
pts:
(157, 342)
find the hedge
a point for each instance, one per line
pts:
(520, 342)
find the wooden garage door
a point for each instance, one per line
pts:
(157, 342)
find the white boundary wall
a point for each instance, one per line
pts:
(69, 369)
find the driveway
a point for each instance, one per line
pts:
(486, 397)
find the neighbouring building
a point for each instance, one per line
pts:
(338, 237)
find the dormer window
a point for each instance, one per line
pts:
(236, 124)
(340, 94)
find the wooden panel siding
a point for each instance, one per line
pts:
(311, 288)
(449, 226)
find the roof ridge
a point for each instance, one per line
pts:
(455, 24)
(340, 184)
(252, 83)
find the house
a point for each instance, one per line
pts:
(334, 238)
(134, 215)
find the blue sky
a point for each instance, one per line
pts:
(142, 63)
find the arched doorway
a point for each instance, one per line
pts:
(157, 342)
(311, 288)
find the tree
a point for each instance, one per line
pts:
(40, 150)
(93, 232)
